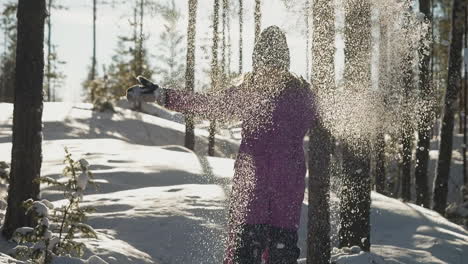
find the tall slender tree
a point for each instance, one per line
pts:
(453, 89)
(258, 19)
(241, 37)
(215, 68)
(465, 106)
(171, 49)
(407, 127)
(320, 144)
(424, 130)
(355, 192)
(190, 70)
(307, 33)
(53, 77)
(93, 72)
(93, 60)
(406, 135)
(383, 85)
(7, 60)
(26, 155)
(49, 50)
(131, 58)
(141, 38)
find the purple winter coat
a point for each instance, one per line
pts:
(268, 185)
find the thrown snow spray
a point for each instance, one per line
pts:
(359, 105)
(352, 110)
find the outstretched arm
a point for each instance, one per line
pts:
(222, 105)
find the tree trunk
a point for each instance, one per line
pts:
(241, 38)
(355, 194)
(407, 128)
(214, 71)
(49, 50)
(320, 146)
(26, 154)
(307, 53)
(453, 89)
(406, 161)
(258, 19)
(424, 131)
(465, 83)
(380, 163)
(383, 87)
(140, 40)
(190, 70)
(93, 64)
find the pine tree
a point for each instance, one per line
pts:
(215, 74)
(383, 86)
(241, 37)
(7, 59)
(190, 70)
(258, 19)
(49, 49)
(453, 88)
(125, 67)
(170, 67)
(130, 60)
(355, 192)
(27, 114)
(320, 144)
(54, 78)
(465, 82)
(93, 60)
(422, 150)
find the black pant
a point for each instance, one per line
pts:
(254, 239)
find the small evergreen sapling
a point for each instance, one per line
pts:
(58, 229)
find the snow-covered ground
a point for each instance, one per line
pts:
(160, 203)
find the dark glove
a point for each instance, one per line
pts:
(146, 91)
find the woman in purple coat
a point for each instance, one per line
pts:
(276, 109)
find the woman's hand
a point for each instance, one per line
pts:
(146, 91)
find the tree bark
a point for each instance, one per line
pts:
(241, 37)
(380, 163)
(307, 35)
(258, 19)
(383, 86)
(424, 131)
(190, 70)
(93, 63)
(320, 144)
(140, 39)
(26, 157)
(214, 70)
(465, 106)
(453, 89)
(49, 50)
(355, 193)
(406, 161)
(407, 128)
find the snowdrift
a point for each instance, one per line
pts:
(158, 202)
